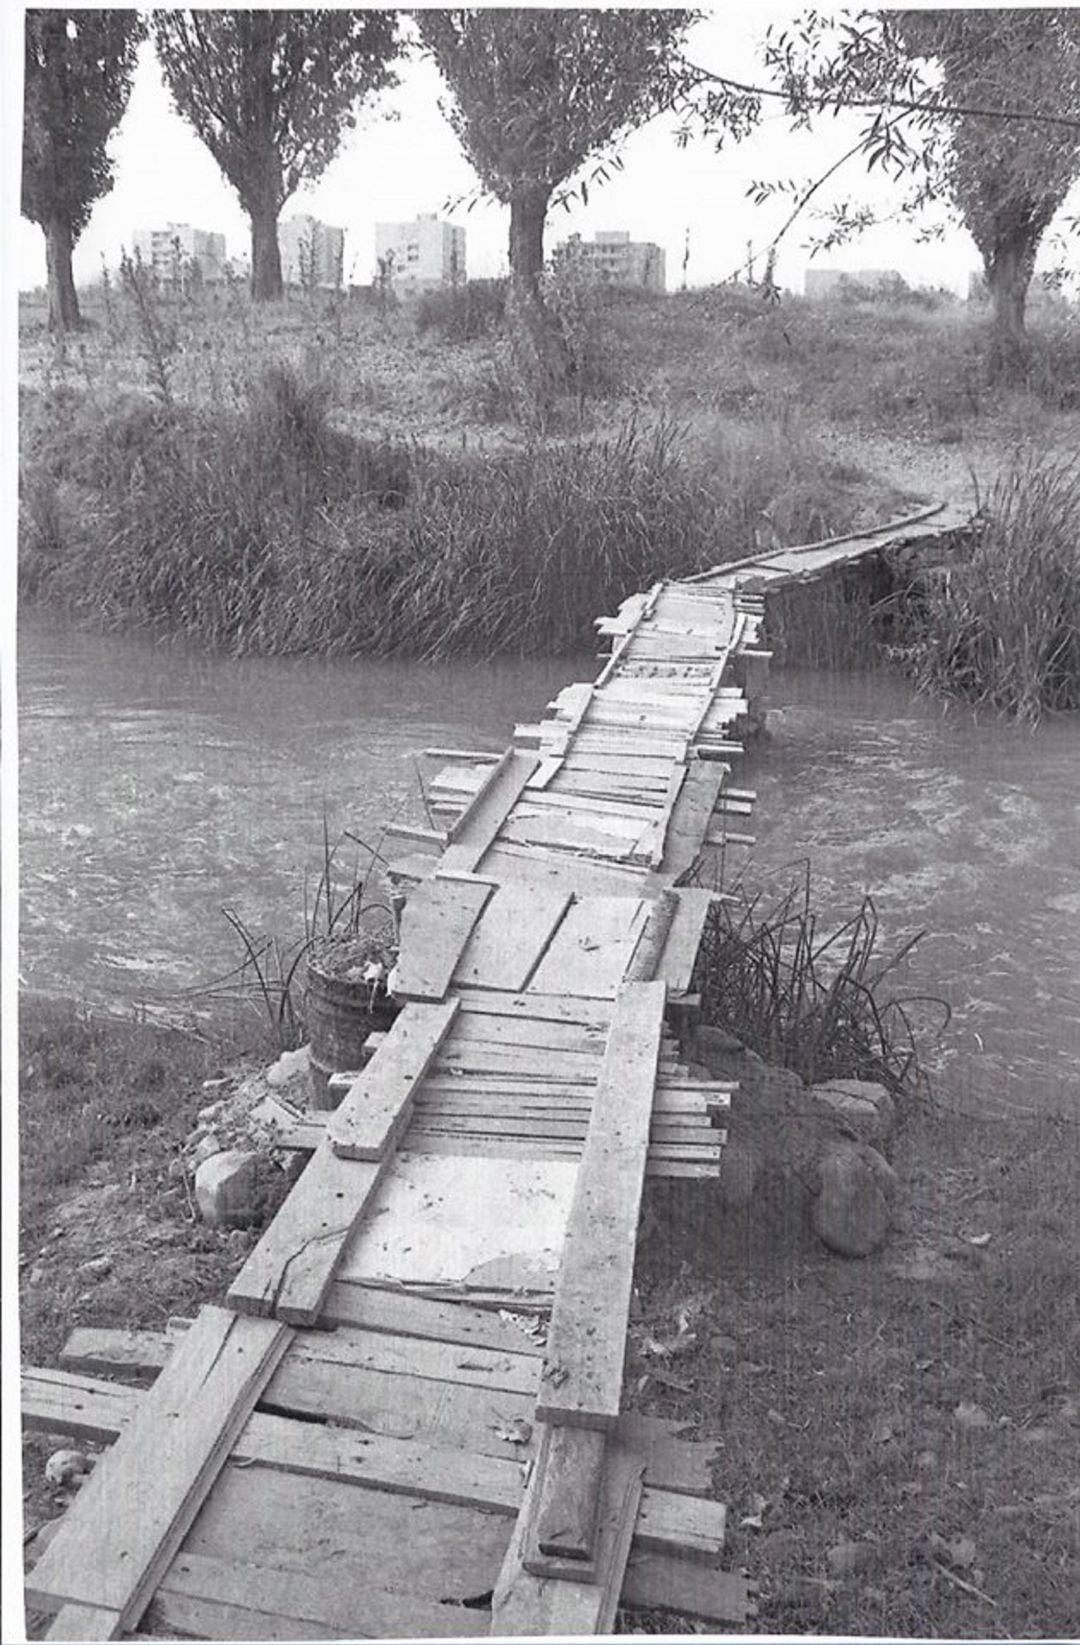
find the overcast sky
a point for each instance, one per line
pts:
(393, 169)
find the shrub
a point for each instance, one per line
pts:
(1003, 626)
(461, 314)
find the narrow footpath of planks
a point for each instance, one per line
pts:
(414, 1400)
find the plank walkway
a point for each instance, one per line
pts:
(407, 1421)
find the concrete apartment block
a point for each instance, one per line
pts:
(611, 256)
(178, 252)
(421, 255)
(828, 282)
(312, 253)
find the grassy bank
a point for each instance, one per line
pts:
(269, 529)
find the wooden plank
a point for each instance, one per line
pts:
(513, 932)
(473, 755)
(436, 923)
(592, 948)
(429, 1550)
(229, 1599)
(129, 1519)
(538, 1032)
(677, 1471)
(607, 837)
(536, 866)
(481, 823)
(489, 778)
(570, 1465)
(656, 1581)
(294, 1262)
(84, 1622)
(583, 1365)
(366, 1124)
(376, 1309)
(684, 938)
(536, 1004)
(433, 839)
(690, 819)
(527, 1604)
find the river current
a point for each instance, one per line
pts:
(159, 785)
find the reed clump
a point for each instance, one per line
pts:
(1002, 627)
(814, 1001)
(272, 530)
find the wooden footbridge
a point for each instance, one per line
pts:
(407, 1419)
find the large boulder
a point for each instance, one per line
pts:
(227, 1188)
(862, 1105)
(851, 1209)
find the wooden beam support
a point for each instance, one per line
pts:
(583, 1365)
(135, 1510)
(480, 824)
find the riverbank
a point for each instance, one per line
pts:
(895, 1434)
(329, 477)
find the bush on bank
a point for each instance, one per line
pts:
(269, 530)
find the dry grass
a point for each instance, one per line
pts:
(922, 1404)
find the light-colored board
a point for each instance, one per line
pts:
(676, 1469)
(440, 1220)
(569, 1466)
(129, 1520)
(512, 934)
(429, 1550)
(481, 1057)
(592, 948)
(535, 866)
(480, 825)
(637, 812)
(541, 1033)
(684, 939)
(607, 838)
(84, 1622)
(656, 1581)
(290, 1268)
(376, 1309)
(661, 1161)
(542, 1007)
(436, 923)
(689, 823)
(583, 1363)
(489, 777)
(527, 1604)
(368, 1121)
(226, 1599)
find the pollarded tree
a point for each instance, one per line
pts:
(537, 93)
(1007, 176)
(78, 73)
(271, 94)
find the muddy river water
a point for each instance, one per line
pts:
(158, 785)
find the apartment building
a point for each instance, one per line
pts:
(179, 253)
(312, 253)
(421, 255)
(612, 257)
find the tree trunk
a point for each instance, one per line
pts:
(63, 302)
(1009, 267)
(266, 283)
(538, 347)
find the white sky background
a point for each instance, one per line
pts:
(391, 170)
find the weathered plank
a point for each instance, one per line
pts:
(512, 934)
(377, 1309)
(436, 923)
(545, 869)
(524, 1603)
(676, 965)
(480, 824)
(84, 1622)
(534, 1004)
(689, 822)
(232, 1599)
(677, 1471)
(365, 1125)
(583, 1365)
(592, 948)
(291, 1267)
(570, 1465)
(129, 1519)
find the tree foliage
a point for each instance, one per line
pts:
(535, 94)
(78, 69)
(271, 94)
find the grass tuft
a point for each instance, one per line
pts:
(1002, 628)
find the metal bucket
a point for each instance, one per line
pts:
(340, 1012)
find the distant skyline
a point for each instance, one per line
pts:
(392, 170)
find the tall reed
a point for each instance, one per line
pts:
(1002, 627)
